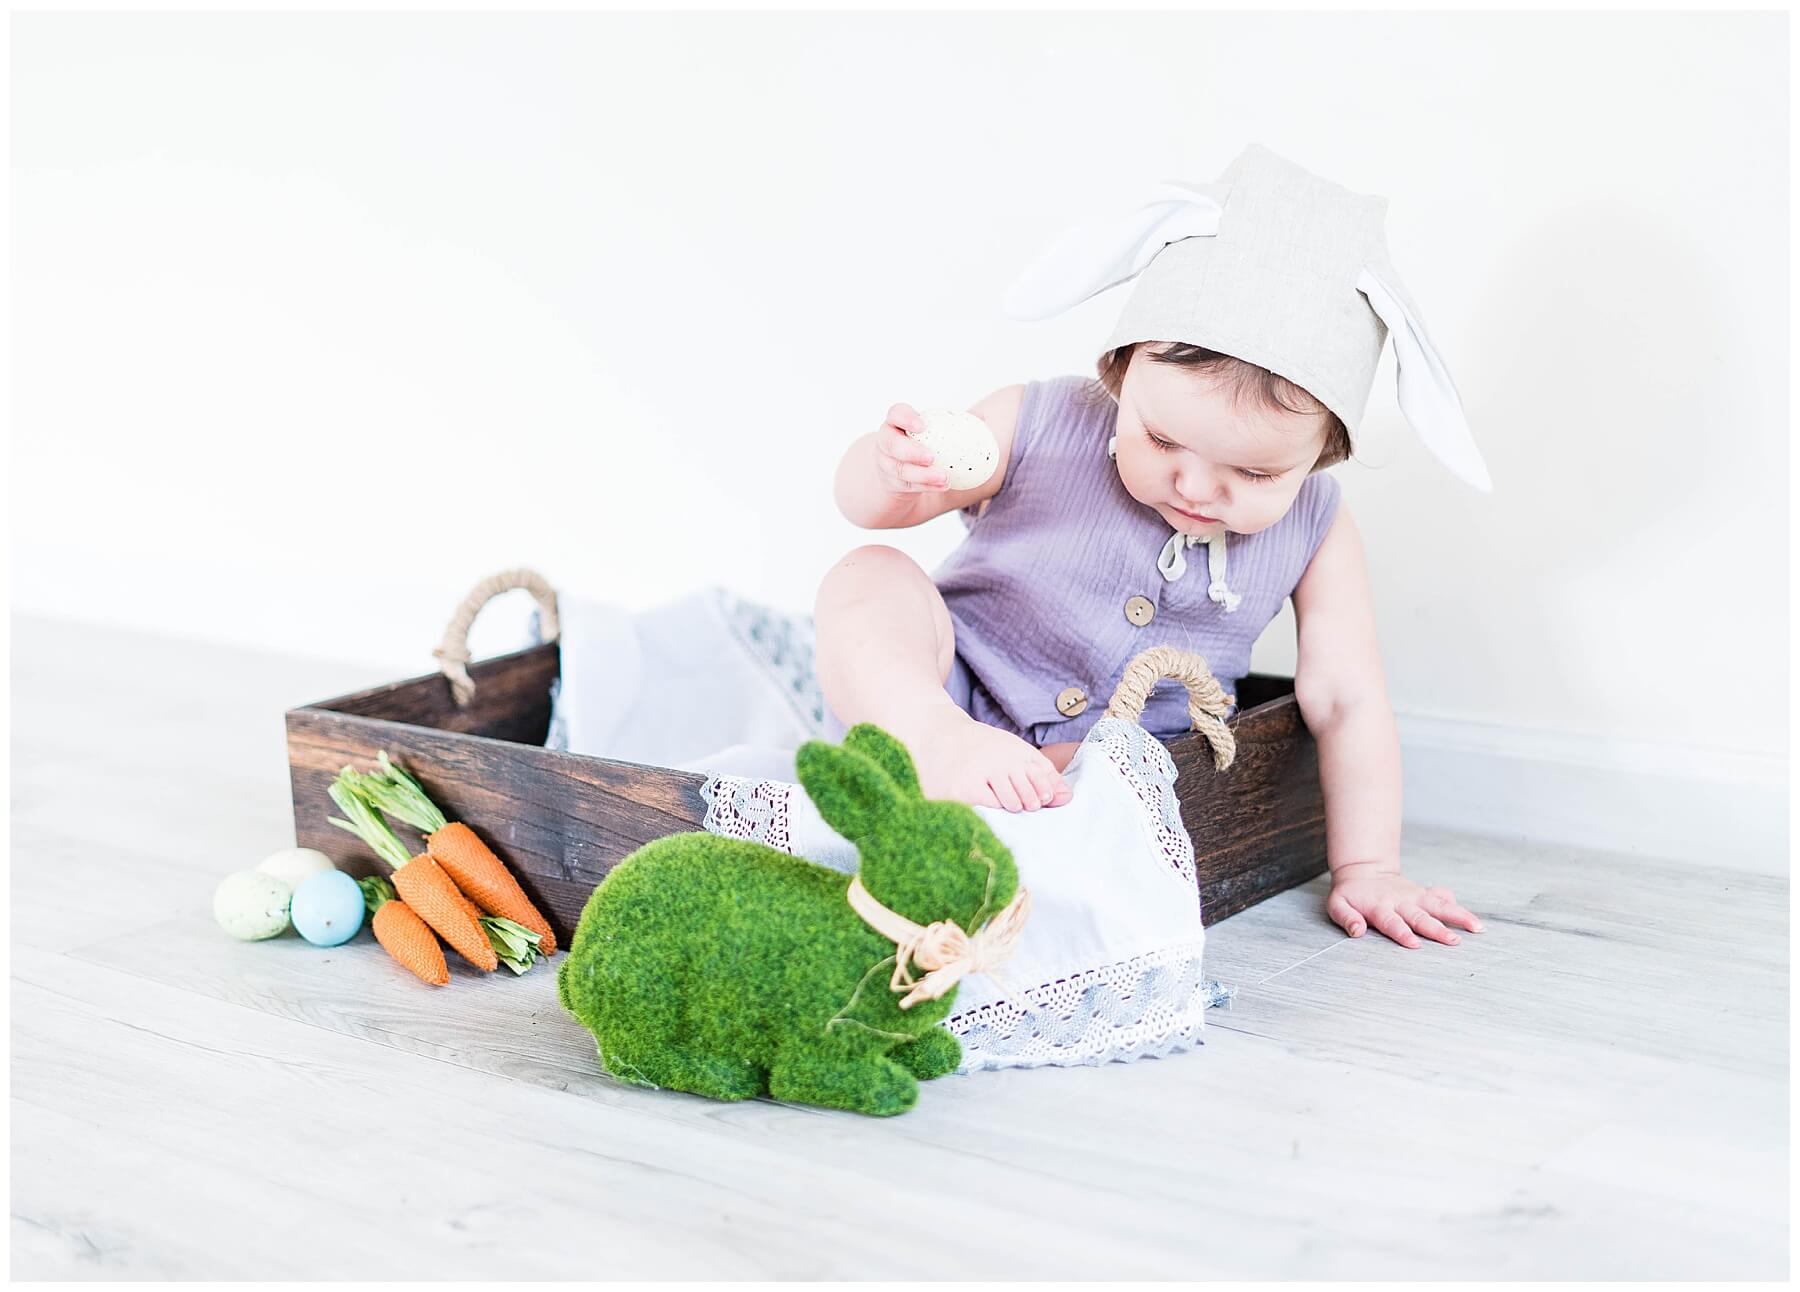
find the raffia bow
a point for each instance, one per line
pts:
(943, 949)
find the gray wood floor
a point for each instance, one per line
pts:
(1595, 1088)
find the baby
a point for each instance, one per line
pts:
(990, 672)
(1204, 441)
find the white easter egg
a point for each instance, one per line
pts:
(293, 865)
(961, 444)
(252, 905)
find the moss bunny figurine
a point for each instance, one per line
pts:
(730, 969)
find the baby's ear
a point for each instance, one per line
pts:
(852, 793)
(886, 753)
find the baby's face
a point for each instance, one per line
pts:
(1241, 467)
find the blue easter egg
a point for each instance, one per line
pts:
(327, 908)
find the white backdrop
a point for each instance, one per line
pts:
(319, 318)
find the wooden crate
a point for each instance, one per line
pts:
(563, 820)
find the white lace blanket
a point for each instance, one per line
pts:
(1111, 957)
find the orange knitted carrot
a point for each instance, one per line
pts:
(480, 874)
(428, 890)
(407, 938)
(410, 941)
(458, 849)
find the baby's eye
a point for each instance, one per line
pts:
(1257, 476)
(1160, 443)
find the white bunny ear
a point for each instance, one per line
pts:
(1088, 258)
(1427, 395)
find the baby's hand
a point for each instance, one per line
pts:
(1370, 892)
(903, 465)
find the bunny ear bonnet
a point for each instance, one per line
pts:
(1272, 265)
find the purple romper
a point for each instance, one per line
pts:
(1044, 587)
(1048, 592)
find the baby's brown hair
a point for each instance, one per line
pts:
(1242, 378)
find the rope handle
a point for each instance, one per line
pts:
(1207, 700)
(453, 652)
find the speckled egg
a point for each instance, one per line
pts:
(961, 444)
(328, 908)
(251, 905)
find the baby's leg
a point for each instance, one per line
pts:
(884, 648)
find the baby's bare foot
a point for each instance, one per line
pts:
(970, 762)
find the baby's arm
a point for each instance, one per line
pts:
(1343, 699)
(885, 640)
(886, 480)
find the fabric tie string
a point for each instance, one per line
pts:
(1173, 564)
(943, 949)
(1215, 568)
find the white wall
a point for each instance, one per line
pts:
(317, 319)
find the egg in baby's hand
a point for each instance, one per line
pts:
(961, 444)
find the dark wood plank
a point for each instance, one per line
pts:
(511, 700)
(562, 821)
(559, 821)
(1261, 688)
(1258, 826)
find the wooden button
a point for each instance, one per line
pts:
(1140, 611)
(1071, 701)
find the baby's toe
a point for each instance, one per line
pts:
(1029, 798)
(1044, 781)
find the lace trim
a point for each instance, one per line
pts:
(1148, 769)
(1145, 1007)
(783, 644)
(740, 808)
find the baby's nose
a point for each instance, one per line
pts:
(1197, 486)
(1196, 479)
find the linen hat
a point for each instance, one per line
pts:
(1273, 265)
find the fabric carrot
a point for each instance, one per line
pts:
(398, 928)
(455, 847)
(428, 890)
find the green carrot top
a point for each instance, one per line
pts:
(395, 791)
(515, 945)
(347, 792)
(377, 893)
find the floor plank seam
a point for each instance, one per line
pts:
(1314, 956)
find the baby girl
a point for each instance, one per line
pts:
(1077, 556)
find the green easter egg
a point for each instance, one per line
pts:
(251, 905)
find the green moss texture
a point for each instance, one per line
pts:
(730, 969)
